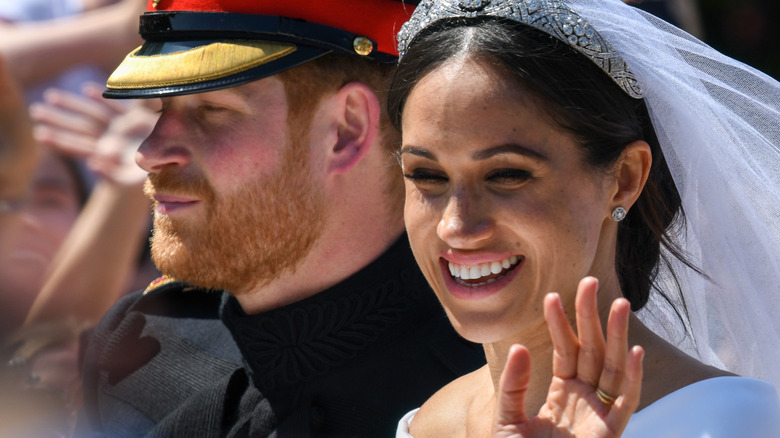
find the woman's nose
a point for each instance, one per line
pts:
(465, 223)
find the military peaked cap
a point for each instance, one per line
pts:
(193, 46)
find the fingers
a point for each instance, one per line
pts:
(95, 92)
(67, 112)
(565, 343)
(591, 336)
(89, 107)
(70, 123)
(510, 407)
(607, 365)
(627, 403)
(77, 145)
(613, 370)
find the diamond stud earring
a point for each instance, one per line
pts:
(618, 214)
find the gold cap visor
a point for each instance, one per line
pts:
(149, 67)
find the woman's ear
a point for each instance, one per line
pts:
(357, 119)
(631, 172)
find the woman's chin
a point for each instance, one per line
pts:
(483, 328)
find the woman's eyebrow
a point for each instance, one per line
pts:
(484, 154)
(418, 151)
(509, 148)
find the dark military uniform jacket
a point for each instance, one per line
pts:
(350, 361)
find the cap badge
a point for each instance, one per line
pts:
(363, 46)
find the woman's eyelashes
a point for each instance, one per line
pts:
(509, 176)
(500, 176)
(424, 176)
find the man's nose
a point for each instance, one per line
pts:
(166, 145)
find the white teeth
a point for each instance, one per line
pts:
(475, 272)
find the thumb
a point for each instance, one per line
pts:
(510, 408)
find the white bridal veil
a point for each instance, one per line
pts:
(718, 122)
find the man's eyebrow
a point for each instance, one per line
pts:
(229, 96)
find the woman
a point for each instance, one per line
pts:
(30, 237)
(543, 144)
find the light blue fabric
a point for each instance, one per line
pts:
(723, 407)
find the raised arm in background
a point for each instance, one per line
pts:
(97, 261)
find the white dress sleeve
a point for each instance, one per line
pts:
(722, 407)
(403, 425)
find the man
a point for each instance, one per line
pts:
(272, 179)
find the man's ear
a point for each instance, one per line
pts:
(357, 114)
(631, 172)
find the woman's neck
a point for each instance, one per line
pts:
(537, 341)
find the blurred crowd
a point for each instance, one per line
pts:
(74, 223)
(73, 219)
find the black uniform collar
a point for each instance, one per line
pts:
(310, 338)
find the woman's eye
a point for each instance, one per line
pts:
(50, 201)
(425, 177)
(509, 176)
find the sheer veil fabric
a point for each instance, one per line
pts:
(718, 122)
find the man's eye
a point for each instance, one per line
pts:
(211, 108)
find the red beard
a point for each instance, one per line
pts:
(247, 238)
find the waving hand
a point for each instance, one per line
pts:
(596, 383)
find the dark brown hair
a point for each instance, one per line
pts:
(582, 100)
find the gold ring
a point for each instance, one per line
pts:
(605, 398)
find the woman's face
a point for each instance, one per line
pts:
(500, 206)
(30, 237)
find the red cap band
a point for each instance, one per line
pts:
(379, 20)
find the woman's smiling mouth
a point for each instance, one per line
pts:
(482, 274)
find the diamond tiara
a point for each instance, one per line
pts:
(550, 16)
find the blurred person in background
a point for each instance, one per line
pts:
(31, 235)
(66, 254)
(109, 242)
(76, 267)
(18, 153)
(44, 41)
